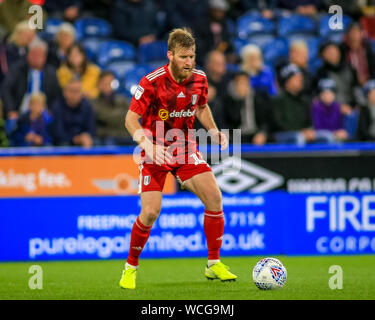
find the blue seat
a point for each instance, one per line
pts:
(250, 24)
(153, 52)
(314, 65)
(238, 44)
(132, 78)
(261, 40)
(93, 27)
(114, 50)
(275, 51)
(328, 33)
(92, 46)
(373, 45)
(296, 25)
(120, 68)
(50, 29)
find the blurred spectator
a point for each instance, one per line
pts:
(239, 7)
(261, 77)
(212, 33)
(33, 127)
(68, 10)
(11, 13)
(242, 110)
(99, 8)
(291, 115)
(16, 47)
(74, 118)
(326, 111)
(340, 71)
(29, 76)
(64, 39)
(3, 136)
(299, 55)
(110, 109)
(366, 123)
(303, 7)
(218, 79)
(135, 21)
(358, 52)
(77, 66)
(187, 13)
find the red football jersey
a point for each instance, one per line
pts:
(160, 99)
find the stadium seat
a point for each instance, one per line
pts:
(276, 50)
(132, 78)
(153, 52)
(261, 40)
(120, 67)
(373, 45)
(50, 29)
(93, 27)
(92, 46)
(114, 50)
(296, 25)
(249, 25)
(314, 64)
(330, 34)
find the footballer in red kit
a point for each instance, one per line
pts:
(161, 120)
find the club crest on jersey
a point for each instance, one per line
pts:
(146, 180)
(138, 92)
(194, 99)
(163, 114)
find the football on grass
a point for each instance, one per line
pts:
(269, 274)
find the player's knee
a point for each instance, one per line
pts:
(214, 200)
(150, 215)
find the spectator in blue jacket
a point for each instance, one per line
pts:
(33, 127)
(74, 118)
(262, 78)
(135, 21)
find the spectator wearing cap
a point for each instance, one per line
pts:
(326, 112)
(262, 78)
(335, 68)
(212, 32)
(110, 108)
(291, 116)
(358, 52)
(366, 122)
(27, 77)
(58, 49)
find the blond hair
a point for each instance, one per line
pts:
(298, 44)
(20, 27)
(38, 97)
(180, 38)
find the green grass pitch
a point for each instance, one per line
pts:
(183, 279)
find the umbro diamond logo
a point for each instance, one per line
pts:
(181, 95)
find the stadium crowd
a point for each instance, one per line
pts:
(275, 68)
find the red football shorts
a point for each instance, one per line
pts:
(152, 176)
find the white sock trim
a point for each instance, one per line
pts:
(212, 262)
(127, 265)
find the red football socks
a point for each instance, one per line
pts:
(139, 236)
(214, 229)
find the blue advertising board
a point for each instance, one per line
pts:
(277, 222)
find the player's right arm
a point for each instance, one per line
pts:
(140, 102)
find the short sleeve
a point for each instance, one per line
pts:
(203, 98)
(142, 97)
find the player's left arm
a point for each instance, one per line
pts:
(204, 115)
